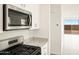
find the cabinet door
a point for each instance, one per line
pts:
(22, 6)
(44, 49)
(1, 18)
(34, 9)
(17, 5)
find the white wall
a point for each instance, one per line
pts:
(70, 41)
(43, 31)
(70, 10)
(55, 30)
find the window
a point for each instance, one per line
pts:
(71, 26)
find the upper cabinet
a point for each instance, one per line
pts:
(35, 10)
(1, 17)
(20, 5)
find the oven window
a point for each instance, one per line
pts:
(16, 18)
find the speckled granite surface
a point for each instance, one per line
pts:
(36, 41)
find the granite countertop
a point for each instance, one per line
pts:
(36, 41)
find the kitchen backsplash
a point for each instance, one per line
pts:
(8, 34)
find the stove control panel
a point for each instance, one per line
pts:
(13, 41)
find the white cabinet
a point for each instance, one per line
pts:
(44, 49)
(1, 19)
(17, 5)
(22, 6)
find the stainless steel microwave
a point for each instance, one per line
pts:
(16, 18)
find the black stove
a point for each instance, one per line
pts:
(21, 49)
(15, 46)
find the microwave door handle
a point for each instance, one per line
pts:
(30, 20)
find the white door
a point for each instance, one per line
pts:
(55, 29)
